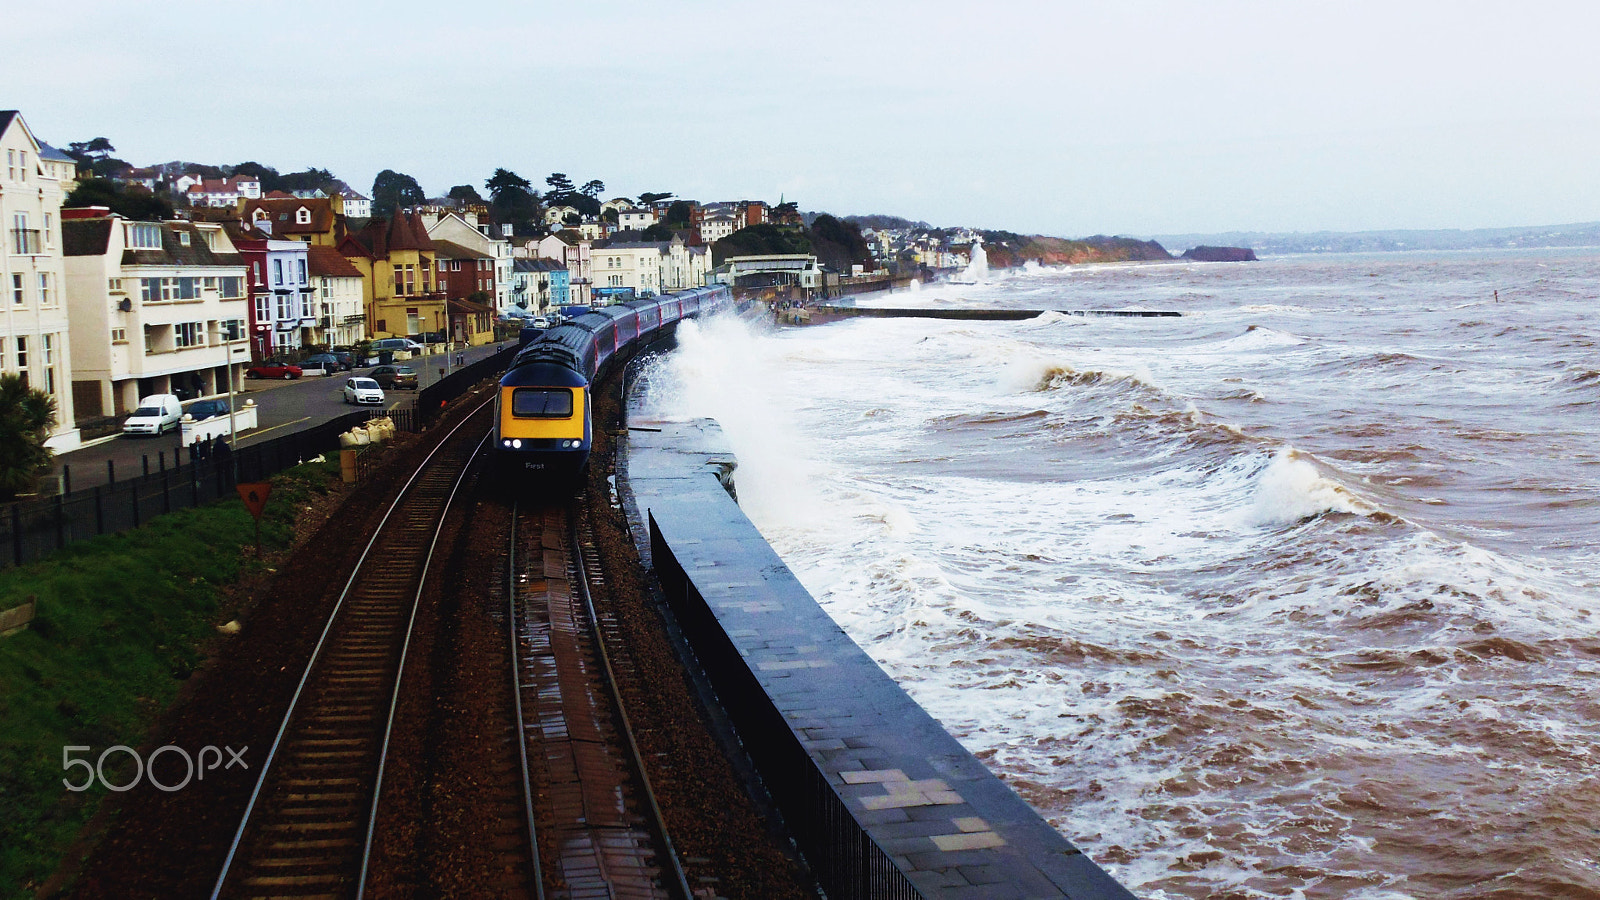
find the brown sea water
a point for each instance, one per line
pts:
(1297, 595)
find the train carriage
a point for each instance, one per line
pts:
(543, 415)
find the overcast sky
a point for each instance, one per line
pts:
(1061, 118)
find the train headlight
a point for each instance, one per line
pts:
(516, 443)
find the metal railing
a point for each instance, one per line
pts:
(33, 529)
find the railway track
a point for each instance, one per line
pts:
(601, 830)
(307, 829)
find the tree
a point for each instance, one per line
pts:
(506, 180)
(560, 184)
(267, 175)
(85, 152)
(658, 232)
(513, 201)
(592, 189)
(679, 214)
(646, 199)
(131, 202)
(26, 416)
(465, 193)
(839, 244)
(610, 215)
(392, 190)
(759, 240)
(309, 180)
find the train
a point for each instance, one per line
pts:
(544, 422)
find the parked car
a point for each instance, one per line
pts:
(396, 344)
(362, 390)
(393, 377)
(327, 362)
(541, 322)
(273, 368)
(200, 410)
(156, 414)
(346, 359)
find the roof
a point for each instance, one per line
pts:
(636, 245)
(406, 232)
(536, 265)
(48, 152)
(453, 250)
(85, 237)
(6, 115)
(239, 233)
(330, 262)
(174, 253)
(281, 212)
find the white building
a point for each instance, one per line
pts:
(223, 192)
(34, 324)
(651, 267)
(716, 226)
(155, 308)
(288, 302)
(635, 218)
(341, 321)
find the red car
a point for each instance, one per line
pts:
(272, 369)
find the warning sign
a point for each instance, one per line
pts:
(255, 496)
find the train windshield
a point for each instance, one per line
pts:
(542, 403)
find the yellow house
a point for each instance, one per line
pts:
(400, 289)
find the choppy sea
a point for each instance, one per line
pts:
(1295, 595)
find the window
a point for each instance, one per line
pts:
(302, 216)
(190, 334)
(541, 403)
(49, 230)
(302, 264)
(263, 309)
(283, 307)
(22, 156)
(44, 288)
(210, 284)
(119, 335)
(50, 364)
(260, 278)
(277, 273)
(186, 288)
(142, 235)
(399, 279)
(327, 288)
(11, 164)
(233, 329)
(411, 279)
(183, 238)
(22, 352)
(231, 287)
(19, 294)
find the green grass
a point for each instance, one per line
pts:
(121, 622)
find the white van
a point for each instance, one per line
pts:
(157, 414)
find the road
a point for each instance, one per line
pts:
(283, 406)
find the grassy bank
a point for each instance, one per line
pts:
(122, 622)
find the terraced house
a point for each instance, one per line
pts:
(155, 308)
(34, 339)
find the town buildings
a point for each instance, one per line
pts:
(155, 308)
(539, 285)
(341, 317)
(34, 336)
(396, 261)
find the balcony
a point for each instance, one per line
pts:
(25, 241)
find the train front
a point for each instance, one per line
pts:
(543, 428)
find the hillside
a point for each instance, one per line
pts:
(1006, 250)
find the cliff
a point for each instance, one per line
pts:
(1220, 254)
(1007, 250)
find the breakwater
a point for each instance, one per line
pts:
(829, 313)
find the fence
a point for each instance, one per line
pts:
(33, 529)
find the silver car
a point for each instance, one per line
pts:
(363, 390)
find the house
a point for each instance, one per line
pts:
(352, 203)
(463, 271)
(287, 304)
(635, 218)
(251, 246)
(396, 260)
(223, 192)
(58, 165)
(576, 256)
(650, 267)
(310, 219)
(466, 230)
(34, 329)
(715, 226)
(539, 285)
(155, 308)
(558, 215)
(341, 319)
